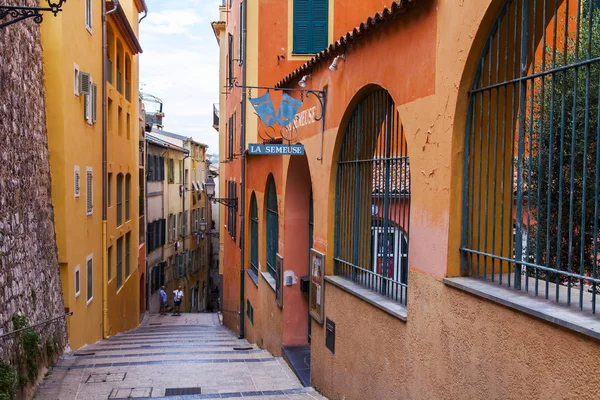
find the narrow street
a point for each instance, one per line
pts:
(187, 357)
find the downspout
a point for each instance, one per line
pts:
(105, 172)
(145, 11)
(242, 195)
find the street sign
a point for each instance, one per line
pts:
(276, 149)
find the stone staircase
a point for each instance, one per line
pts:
(186, 357)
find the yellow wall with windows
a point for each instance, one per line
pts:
(68, 44)
(123, 153)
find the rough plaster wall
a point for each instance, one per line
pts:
(453, 346)
(29, 272)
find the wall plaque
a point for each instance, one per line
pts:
(317, 293)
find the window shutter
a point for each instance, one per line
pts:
(320, 22)
(89, 191)
(161, 161)
(302, 23)
(94, 103)
(77, 182)
(85, 83)
(87, 108)
(163, 231)
(230, 60)
(241, 35)
(150, 168)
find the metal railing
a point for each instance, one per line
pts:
(532, 153)
(39, 324)
(373, 200)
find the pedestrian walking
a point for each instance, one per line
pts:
(177, 296)
(163, 301)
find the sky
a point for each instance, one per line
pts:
(180, 65)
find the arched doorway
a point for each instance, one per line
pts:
(298, 241)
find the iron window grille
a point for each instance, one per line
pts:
(532, 153)
(373, 199)
(253, 234)
(272, 227)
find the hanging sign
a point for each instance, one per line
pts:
(276, 149)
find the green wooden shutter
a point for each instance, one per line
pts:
(320, 24)
(302, 22)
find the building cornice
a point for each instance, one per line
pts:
(119, 19)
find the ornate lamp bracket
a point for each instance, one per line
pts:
(20, 13)
(233, 202)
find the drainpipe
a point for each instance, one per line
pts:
(145, 11)
(105, 172)
(242, 196)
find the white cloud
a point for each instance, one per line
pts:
(180, 65)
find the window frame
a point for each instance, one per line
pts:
(77, 280)
(89, 260)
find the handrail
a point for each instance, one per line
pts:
(36, 325)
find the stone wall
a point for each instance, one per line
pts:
(29, 273)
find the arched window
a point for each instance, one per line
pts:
(532, 153)
(253, 234)
(119, 199)
(373, 199)
(272, 226)
(127, 196)
(111, 54)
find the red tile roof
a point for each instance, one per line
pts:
(389, 12)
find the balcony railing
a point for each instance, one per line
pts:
(128, 90)
(153, 119)
(119, 82)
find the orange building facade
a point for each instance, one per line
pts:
(383, 191)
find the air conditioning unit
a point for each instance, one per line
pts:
(85, 83)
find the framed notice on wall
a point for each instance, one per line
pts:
(279, 280)
(317, 285)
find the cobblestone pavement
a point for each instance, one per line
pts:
(192, 352)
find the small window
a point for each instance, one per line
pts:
(127, 257)
(230, 77)
(120, 121)
(76, 79)
(110, 263)
(119, 262)
(109, 194)
(90, 278)
(119, 199)
(88, 15)
(127, 196)
(77, 181)
(128, 127)
(77, 281)
(311, 26)
(89, 190)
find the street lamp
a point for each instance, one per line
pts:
(202, 225)
(19, 13)
(209, 187)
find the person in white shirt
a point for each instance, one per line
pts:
(177, 296)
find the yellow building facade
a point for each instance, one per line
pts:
(122, 90)
(73, 56)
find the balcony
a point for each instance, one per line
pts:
(154, 119)
(216, 117)
(109, 70)
(119, 82)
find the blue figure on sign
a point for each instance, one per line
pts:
(287, 110)
(265, 109)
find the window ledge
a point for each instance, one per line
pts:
(379, 301)
(253, 276)
(563, 316)
(270, 280)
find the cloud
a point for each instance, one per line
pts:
(180, 65)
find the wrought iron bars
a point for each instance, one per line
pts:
(532, 151)
(20, 13)
(373, 199)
